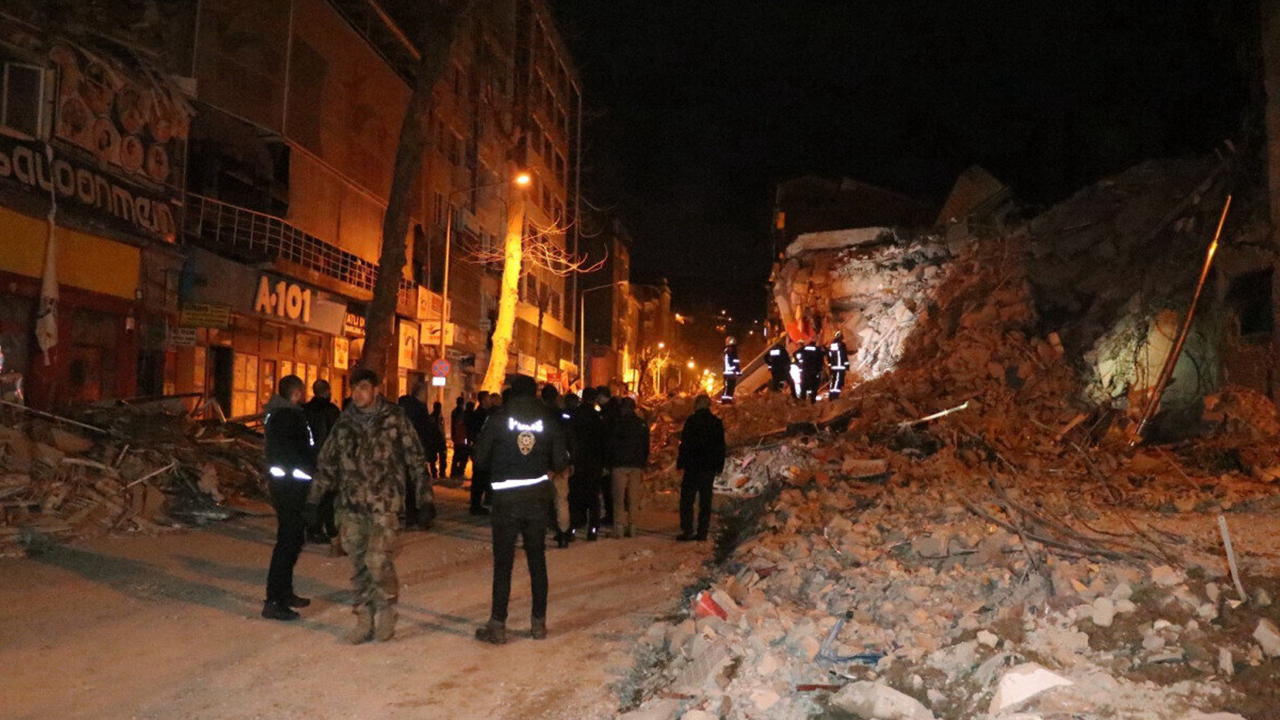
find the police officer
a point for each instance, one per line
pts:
(521, 445)
(291, 461)
(811, 359)
(732, 369)
(838, 358)
(779, 361)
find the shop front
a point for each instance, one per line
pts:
(241, 329)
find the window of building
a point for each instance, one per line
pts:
(455, 149)
(1249, 296)
(26, 98)
(439, 212)
(555, 305)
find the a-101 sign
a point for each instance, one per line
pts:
(283, 299)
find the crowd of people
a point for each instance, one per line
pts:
(540, 463)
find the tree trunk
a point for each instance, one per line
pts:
(509, 293)
(440, 22)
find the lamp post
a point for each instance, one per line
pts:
(521, 179)
(582, 323)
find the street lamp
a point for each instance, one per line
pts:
(582, 325)
(521, 179)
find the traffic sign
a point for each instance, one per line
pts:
(440, 368)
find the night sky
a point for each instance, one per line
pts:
(695, 106)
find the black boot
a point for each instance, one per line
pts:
(273, 610)
(294, 601)
(492, 632)
(593, 533)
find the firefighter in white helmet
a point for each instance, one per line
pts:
(732, 369)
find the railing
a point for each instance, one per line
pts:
(242, 231)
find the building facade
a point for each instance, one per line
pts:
(231, 168)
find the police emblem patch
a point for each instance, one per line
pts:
(525, 442)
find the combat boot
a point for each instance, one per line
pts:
(363, 631)
(384, 623)
(492, 632)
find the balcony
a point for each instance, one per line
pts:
(257, 237)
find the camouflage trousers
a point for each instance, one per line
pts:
(370, 541)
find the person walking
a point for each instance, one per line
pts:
(321, 415)
(291, 463)
(519, 447)
(415, 410)
(628, 455)
(368, 455)
(701, 457)
(732, 369)
(458, 433)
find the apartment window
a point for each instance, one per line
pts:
(562, 169)
(555, 305)
(439, 210)
(26, 98)
(455, 149)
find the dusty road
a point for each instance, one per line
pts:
(168, 627)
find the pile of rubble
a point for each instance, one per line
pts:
(1012, 557)
(117, 469)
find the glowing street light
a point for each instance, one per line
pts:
(689, 364)
(523, 179)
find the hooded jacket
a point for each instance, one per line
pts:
(367, 460)
(290, 447)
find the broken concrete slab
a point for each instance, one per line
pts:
(875, 701)
(1022, 683)
(1268, 637)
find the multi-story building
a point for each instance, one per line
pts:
(610, 315)
(230, 164)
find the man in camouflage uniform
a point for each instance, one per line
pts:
(371, 452)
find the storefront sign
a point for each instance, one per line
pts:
(353, 325)
(408, 345)
(80, 185)
(283, 299)
(431, 333)
(526, 365)
(180, 337)
(250, 292)
(206, 315)
(429, 304)
(341, 353)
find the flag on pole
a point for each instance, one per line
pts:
(47, 316)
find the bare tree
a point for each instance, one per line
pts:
(520, 253)
(440, 21)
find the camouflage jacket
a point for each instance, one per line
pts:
(368, 460)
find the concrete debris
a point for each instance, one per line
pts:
(144, 472)
(1268, 637)
(1023, 683)
(873, 701)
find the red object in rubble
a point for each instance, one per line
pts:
(704, 606)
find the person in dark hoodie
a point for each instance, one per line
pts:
(519, 448)
(321, 415)
(701, 456)
(291, 461)
(628, 454)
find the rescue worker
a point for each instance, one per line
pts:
(701, 457)
(795, 372)
(370, 451)
(519, 447)
(732, 369)
(811, 360)
(321, 415)
(779, 361)
(838, 359)
(291, 462)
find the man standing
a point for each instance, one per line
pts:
(838, 358)
(564, 525)
(701, 456)
(520, 445)
(475, 423)
(811, 359)
(321, 415)
(438, 448)
(458, 432)
(779, 361)
(414, 406)
(588, 451)
(291, 461)
(368, 455)
(628, 455)
(732, 369)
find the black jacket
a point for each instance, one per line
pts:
(290, 449)
(779, 360)
(732, 365)
(701, 443)
(629, 442)
(435, 432)
(419, 417)
(521, 441)
(811, 360)
(475, 422)
(588, 431)
(321, 415)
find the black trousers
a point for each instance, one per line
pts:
(606, 497)
(696, 485)
(328, 524)
(288, 498)
(809, 388)
(837, 382)
(584, 497)
(522, 513)
(778, 381)
(436, 462)
(730, 385)
(461, 452)
(480, 489)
